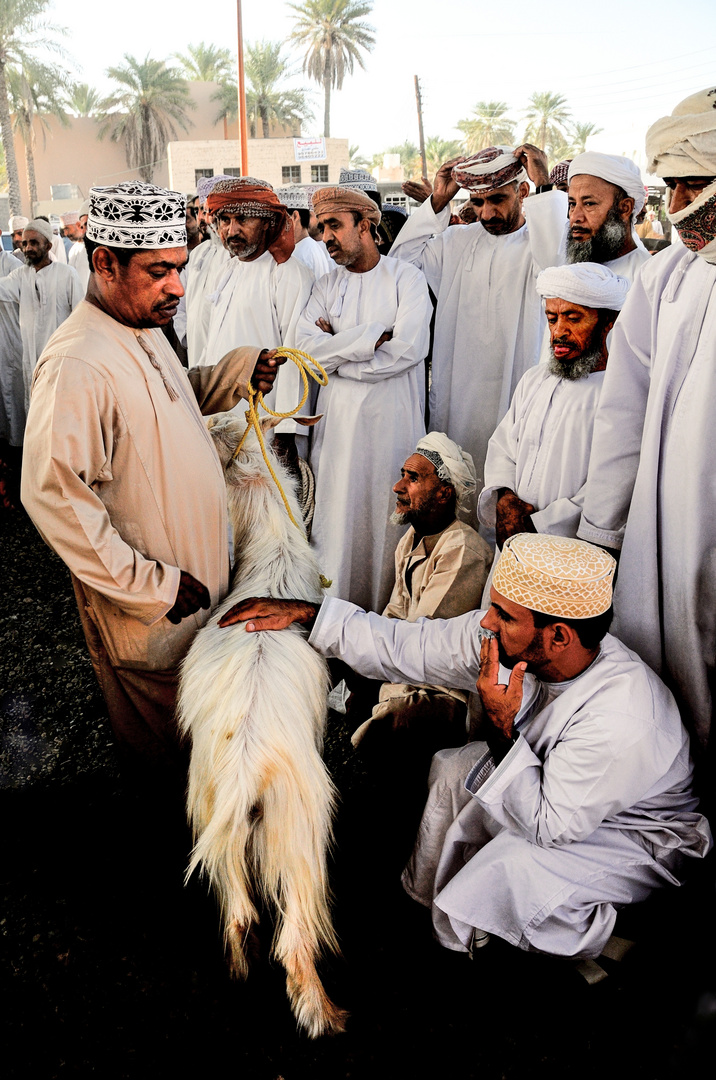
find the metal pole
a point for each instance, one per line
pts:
(420, 128)
(244, 147)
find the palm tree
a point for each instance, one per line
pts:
(35, 91)
(547, 120)
(83, 100)
(357, 159)
(438, 151)
(22, 35)
(264, 68)
(150, 102)
(488, 126)
(333, 34)
(579, 135)
(206, 63)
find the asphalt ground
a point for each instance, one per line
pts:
(113, 968)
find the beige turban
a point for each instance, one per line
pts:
(684, 144)
(452, 464)
(590, 285)
(42, 227)
(18, 222)
(615, 169)
(556, 575)
(342, 200)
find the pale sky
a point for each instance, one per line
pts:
(620, 66)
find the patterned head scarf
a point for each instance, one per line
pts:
(489, 169)
(255, 198)
(341, 200)
(615, 169)
(452, 464)
(137, 216)
(590, 285)
(559, 172)
(207, 184)
(294, 198)
(357, 180)
(556, 575)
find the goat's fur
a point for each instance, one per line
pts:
(260, 799)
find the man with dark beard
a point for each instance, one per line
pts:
(537, 459)
(606, 193)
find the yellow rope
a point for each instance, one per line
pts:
(302, 361)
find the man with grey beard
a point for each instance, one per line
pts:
(606, 193)
(537, 459)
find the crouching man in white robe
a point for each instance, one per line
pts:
(580, 800)
(538, 458)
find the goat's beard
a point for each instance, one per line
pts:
(604, 246)
(574, 369)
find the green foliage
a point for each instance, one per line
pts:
(438, 151)
(150, 102)
(488, 126)
(23, 35)
(264, 69)
(333, 34)
(207, 63)
(81, 99)
(548, 120)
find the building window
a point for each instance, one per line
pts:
(290, 174)
(201, 174)
(232, 170)
(319, 174)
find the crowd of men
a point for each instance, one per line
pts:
(523, 385)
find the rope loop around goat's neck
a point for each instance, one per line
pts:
(302, 361)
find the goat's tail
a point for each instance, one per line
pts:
(290, 842)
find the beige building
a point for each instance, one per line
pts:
(69, 161)
(280, 161)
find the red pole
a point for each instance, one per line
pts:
(242, 97)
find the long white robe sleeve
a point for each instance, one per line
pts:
(259, 303)
(12, 386)
(651, 485)
(541, 448)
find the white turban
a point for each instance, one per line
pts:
(17, 222)
(590, 285)
(72, 217)
(42, 227)
(615, 169)
(684, 144)
(452, 463)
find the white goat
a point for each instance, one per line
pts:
(260, 799)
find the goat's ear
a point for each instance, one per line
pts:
(268, 422)
(308, 421)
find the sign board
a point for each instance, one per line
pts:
(309, 149)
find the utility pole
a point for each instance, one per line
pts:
(244, 148)
(420, 127)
